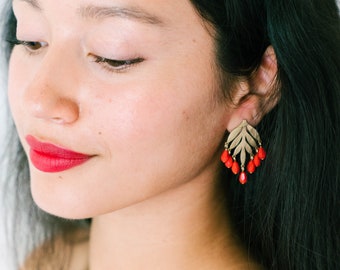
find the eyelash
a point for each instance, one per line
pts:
(29, 45)
(111, 65)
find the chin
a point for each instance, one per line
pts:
(60, 209)
(75, 204)
(61, 203)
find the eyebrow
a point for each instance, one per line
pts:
(103, 12)
(134, 13)
(33, 3)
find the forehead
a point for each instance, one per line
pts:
(169, 17)
(100, 11)
(156, 12)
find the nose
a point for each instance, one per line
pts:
(60, 110)
(51, 94)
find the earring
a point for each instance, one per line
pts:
(242, 140)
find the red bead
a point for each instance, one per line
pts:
(262, 153)
(256, 160)
(229, 162)
(243, 178)
(235, 167)
(251, 167)
(225, 155)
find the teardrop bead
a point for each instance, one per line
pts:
(243, 178)
(225, 155)
(229, 162)
(256, 160)
(235, 167)
(251, 167)
(262, 153)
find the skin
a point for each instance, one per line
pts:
(154, 130)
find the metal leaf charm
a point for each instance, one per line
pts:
(243, 140)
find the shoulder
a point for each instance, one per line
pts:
(70, 252)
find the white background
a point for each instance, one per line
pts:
(4, 251)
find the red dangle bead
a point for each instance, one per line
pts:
(243, 178)
(262, 153)
(225, 155)
(251, 167)
(256, 160)
(235, 168)
(229, 162)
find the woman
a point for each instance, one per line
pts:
(124, 108)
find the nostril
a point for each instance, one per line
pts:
(64, 111)
(58, 120)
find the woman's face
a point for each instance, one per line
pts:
(106, 134)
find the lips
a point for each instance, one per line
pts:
(48, 157)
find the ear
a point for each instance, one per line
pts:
(257, 95)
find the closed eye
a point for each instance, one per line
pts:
(30, 46)
(117, 65)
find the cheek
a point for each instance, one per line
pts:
(147, 113)
(157, 127)
(176, 102)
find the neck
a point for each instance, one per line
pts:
(185, 228)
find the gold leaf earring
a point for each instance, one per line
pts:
(241, 141)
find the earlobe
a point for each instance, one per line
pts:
(258, 95)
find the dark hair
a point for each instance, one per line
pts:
(288, 214)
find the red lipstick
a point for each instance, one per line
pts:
(48, 157)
